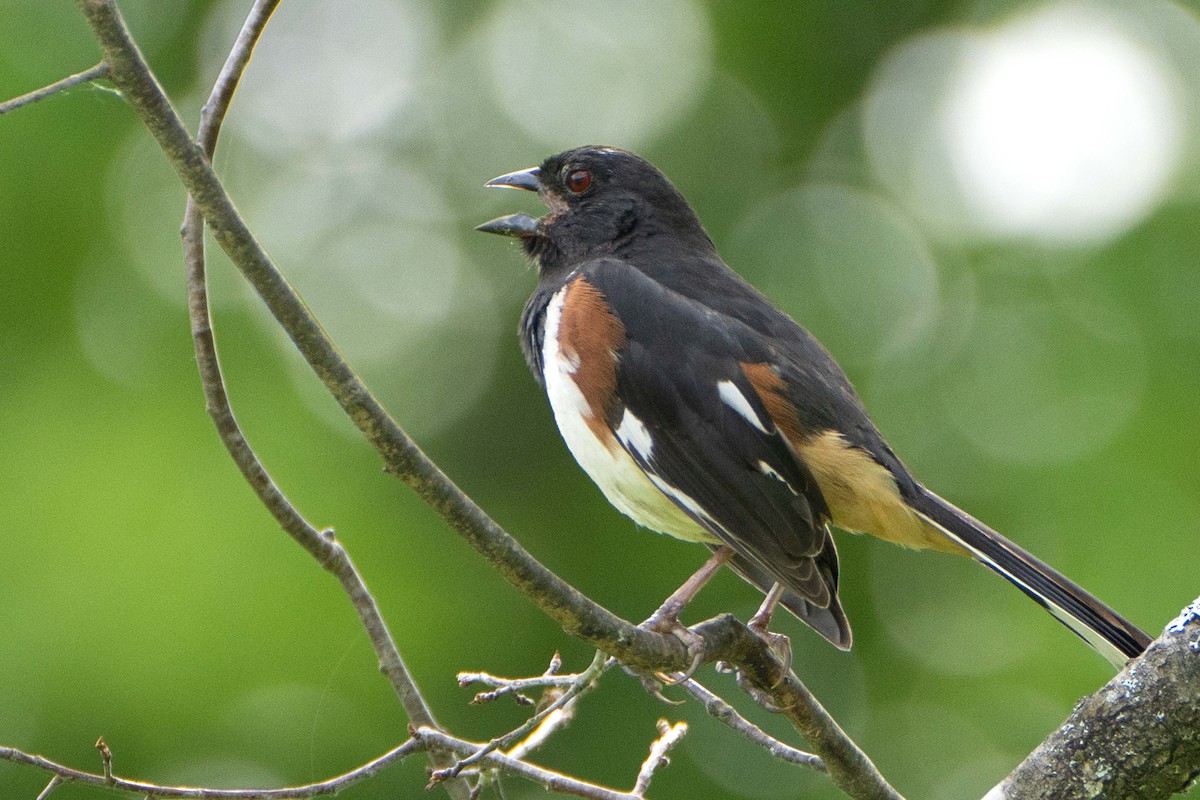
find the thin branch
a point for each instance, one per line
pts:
(322, 545)
(214, 111)
(727, 714)
(669, 736)
(64, 774)
(423, 739)
(556, 720)
(712, 703)
(554, 781)
(55, 782)
(584, 681)
(95, 73)
(106, 759)
(725, 638)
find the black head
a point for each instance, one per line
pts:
(601, 201)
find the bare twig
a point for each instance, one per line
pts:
(333, 785)
(713, 704)
(106, 759)
(727, 714)
(214, 111)
(554, 721)
(669, 736)
(515, 686)
(95, 73)
(584, 681)
(554, 781)
(322, 545)
(54, 783)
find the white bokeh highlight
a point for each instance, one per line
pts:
(327, 73)
(1060, 126)
(577, 72)
(1065, 126)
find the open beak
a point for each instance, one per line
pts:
(517, 225)
(521, 179)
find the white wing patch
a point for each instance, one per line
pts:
(733, 397)
(632, 433)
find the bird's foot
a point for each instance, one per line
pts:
(759, 696)
(669, 623)
(780, 645)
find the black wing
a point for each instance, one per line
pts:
(715, 451)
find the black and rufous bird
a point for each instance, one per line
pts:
(704, 412)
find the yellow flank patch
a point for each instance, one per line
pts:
(862, 495)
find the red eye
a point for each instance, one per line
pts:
(579, 180)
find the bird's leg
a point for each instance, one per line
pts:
(762, 618)
(779, 644)
(666, 618)
(671, 608)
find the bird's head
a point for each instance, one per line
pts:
(600, 199)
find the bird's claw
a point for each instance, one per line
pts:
(758, 695)
(693, 642)
(780, 645)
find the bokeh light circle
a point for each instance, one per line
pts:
(951, 616)
(327, 72)
(576, 72)
(1062, 125)
(845, 263)
(1036, 386)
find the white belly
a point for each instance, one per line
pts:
(607, 463)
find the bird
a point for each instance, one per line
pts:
(703, 411)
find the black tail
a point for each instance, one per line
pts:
(1115, 638)
(830, 621)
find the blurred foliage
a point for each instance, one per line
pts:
(1047, 381)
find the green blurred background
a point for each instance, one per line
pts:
(989, 211)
